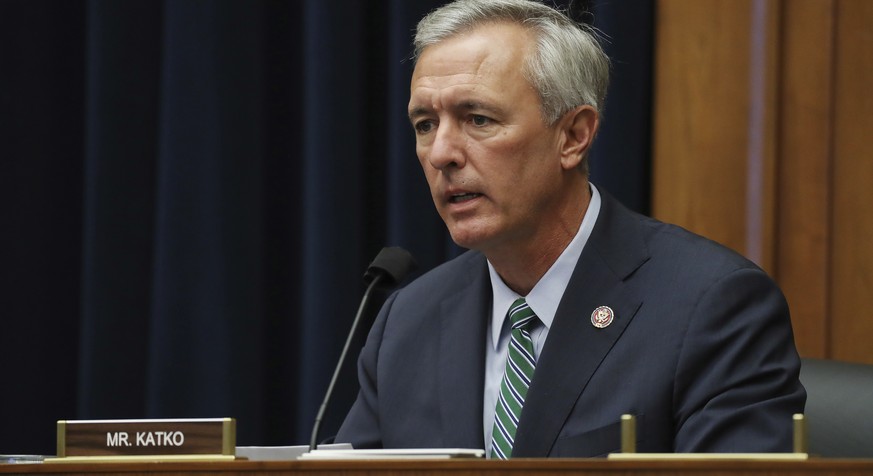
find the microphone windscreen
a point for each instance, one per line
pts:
(393, 262)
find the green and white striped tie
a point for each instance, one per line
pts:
(520, 364)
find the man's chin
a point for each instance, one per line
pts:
(471, 240)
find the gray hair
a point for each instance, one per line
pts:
(568, 68)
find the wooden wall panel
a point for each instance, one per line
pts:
(700, 115)
(852, 251)
(763, 140)
(802, 264)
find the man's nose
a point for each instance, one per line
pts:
(447, 149)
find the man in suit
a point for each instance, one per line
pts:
(611, 312)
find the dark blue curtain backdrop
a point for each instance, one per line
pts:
(192, 190)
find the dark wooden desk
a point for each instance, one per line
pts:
(537, 467)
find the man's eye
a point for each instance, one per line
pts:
(478, 120)
(423, 127)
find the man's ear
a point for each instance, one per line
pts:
(578, 128)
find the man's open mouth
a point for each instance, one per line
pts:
(463, 197)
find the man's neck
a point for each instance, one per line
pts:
(521, 265)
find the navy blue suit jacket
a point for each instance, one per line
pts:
(701, 351)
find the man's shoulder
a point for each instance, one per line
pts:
(677, 243)
(458, 272)
(447, 278)
(462, 281)
(672, 248)
(693, 265)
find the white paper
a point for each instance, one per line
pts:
(418, 453)
(282, 453)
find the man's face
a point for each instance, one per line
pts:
(493, 166)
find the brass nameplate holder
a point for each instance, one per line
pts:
(210, 439)
(629, 447)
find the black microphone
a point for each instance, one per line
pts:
(388, 269)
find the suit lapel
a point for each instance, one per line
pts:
(575, 348)
(464, 318)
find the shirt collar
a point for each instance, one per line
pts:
(546, 295)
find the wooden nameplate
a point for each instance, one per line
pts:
(209, 439)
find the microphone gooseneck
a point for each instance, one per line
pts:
(388, 268)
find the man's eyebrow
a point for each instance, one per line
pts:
(467, 106)
(418, 111)
(462, 106)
